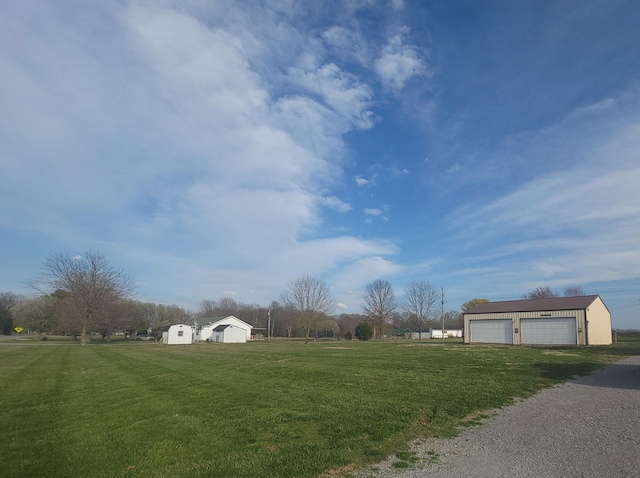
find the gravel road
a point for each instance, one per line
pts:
(587, 427)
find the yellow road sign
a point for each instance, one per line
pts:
(18, 329)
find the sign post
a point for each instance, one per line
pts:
(18, 329)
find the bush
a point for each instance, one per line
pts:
(363, 331)
(348, 336)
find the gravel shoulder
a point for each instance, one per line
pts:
(587, 427)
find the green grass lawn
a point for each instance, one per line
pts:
(269, 409)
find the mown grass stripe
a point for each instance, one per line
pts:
(270, 409)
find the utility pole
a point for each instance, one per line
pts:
(444, 298)
(269, 324)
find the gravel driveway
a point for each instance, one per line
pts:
(588, 427)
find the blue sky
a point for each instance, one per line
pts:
(224, 148)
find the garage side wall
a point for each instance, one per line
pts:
(598, 323)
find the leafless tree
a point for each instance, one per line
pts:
(310, 298)
(207, 307)
(227, 306)
(35, 314)
(540, 293)
(90, 282)
(379, 304)
(155, 317)
(348, 322)
(420, 303)
(573, 291)
(9, 299)
(453, 319)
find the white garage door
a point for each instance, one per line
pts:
(552, 331)
(491, 331)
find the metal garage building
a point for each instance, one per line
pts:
(583, 320)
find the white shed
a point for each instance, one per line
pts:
(228, 334)
(205, 332)
(583, 320)
(179, 334)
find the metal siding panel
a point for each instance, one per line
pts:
(548, 331)
(491, 331)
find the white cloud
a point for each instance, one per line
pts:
(361, 181)
(335, 203)
(347, 44)
(575, 224)
(350, 281)
(174, 141)
(397, 4)
(373, 211)
(399, 63)
(341, 91)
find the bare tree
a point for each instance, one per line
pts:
(207, 307)
(420, 303)
(90, 282)
(453, 319)
(540, 293)
(227, 306)
(379, 304)
(310, 298)
(573, 291)
(9, 299)
(35, 314)
(155, 317)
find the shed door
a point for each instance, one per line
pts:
(551, 331)
(491, 331)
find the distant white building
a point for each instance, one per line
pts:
(204, 329)
(179, 334)
(448, 333)
(437, 334)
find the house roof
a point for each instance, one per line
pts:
(208, 320)
(534, 305)
(212, 321)
(220, 328)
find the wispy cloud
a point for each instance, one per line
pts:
(399, 62)
(361, 182)
(170, 131)
(574, 224)
(379, 213)
(335, 203)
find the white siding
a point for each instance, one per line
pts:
(180, 334)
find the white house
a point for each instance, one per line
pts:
(228, 334)
(178, 334)
(205, 331)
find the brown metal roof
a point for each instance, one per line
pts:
(534, 305)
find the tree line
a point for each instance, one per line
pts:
(85, 295)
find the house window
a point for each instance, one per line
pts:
(180, 333)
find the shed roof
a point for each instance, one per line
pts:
(534, 305)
